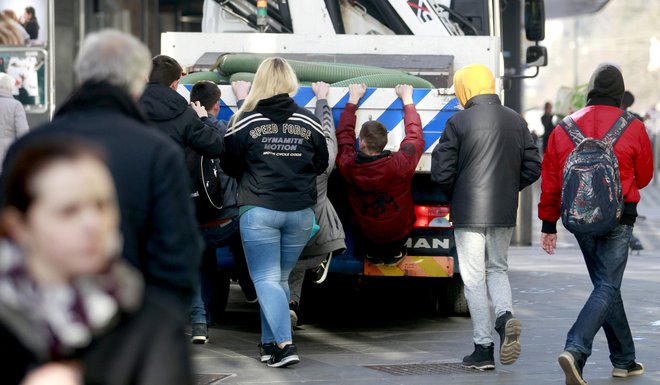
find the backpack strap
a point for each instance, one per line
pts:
(572, 130)
(613, 135)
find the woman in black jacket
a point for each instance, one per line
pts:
(275, 149)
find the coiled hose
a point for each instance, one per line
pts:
(234, 67)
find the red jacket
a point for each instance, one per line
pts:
(633, 151)
(379, 187)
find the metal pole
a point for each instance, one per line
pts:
(522, 235)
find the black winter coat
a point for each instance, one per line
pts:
(157, 218)
(485, 156)
(171, 113)
(276, 152)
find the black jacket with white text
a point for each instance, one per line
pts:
(275, 152)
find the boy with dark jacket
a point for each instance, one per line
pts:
(379, 181)
(171, 113)
(219, 226)
(485, 156)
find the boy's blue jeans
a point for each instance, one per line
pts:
(606, 257)
(273, 241)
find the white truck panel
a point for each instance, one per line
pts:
(187, 47)
(434, 106)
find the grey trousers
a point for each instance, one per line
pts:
(297, 276)
(482, 257)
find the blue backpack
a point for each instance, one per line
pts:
(591, 199)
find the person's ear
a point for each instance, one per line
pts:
(14, 226)
(215, 109)
(175, 84)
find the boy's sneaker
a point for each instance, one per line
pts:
(483, 358)
(635, 369)
(509, 329)
(284, 357)
(374, 260)
(322, 270)
(266, 351)
(572, 368)
(294, 319)
(200, 334)
(395, 260)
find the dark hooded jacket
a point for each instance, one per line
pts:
(171, 113)
(379, 186)
(633, 149)
(157, 218)
(485, 156)
(275, 152)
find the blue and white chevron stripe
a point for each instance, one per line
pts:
(379, 104)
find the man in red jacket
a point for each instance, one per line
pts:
(605, 256)
(379, 181)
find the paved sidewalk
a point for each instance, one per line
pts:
(351, 332)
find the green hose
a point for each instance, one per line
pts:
(386, 81)
(245, 76)
(195, 77)
(306, 71)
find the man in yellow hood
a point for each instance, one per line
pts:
(485, 156)
(473, 80)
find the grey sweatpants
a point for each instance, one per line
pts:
(297, 276)
(482, 257)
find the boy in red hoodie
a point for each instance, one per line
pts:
(378, 180)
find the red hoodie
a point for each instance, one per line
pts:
(633, 151)
(379, 188)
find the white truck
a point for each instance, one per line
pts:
(442, 36)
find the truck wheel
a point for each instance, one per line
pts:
(451, 298)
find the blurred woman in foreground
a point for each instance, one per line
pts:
(71, 311)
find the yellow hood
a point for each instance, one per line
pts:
(473, 80)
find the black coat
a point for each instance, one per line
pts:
(170, 112)
(485, 156)
(157, 218)
(276, 152)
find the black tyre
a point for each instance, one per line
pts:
(451, 297)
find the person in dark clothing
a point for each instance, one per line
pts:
(485, 157)
(30, 23)
(66, 294)
(605, 255)
(546, 120)
(159, 231)
(220, 228)
(379, 180)
(171, 113)
(275, 149)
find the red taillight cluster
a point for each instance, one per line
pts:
(432, 217)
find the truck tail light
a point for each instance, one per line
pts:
(432, 217)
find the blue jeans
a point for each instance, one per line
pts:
(214, 237)
(606, 257)
(273, 241)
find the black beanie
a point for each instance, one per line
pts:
(606, 86)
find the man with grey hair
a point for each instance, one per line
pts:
(157, 219)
